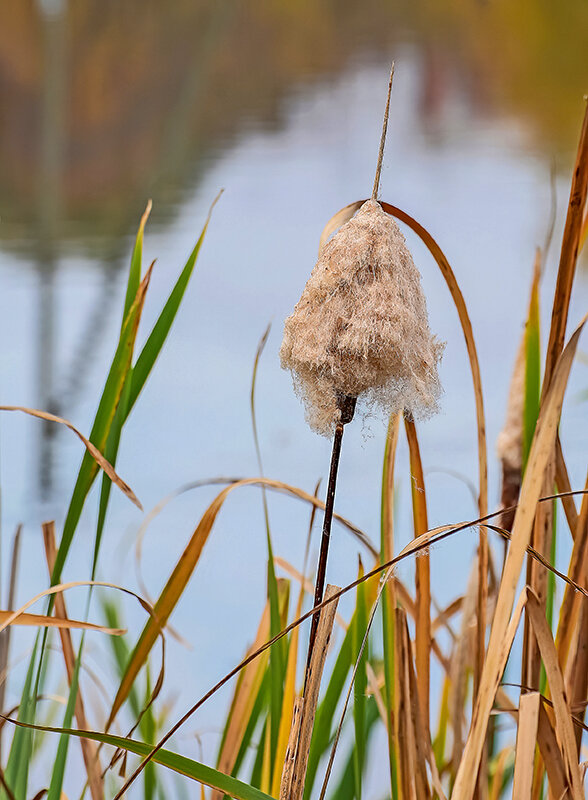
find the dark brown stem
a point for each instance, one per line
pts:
(347, 408)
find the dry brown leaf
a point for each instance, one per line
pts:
(562, 481)
(92, 449)
(422, 567)
(529, 706)
(551, 755)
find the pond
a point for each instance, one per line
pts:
(104, 108)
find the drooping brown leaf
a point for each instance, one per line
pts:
(91, 448)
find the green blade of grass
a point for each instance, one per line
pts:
(147, 725)
(139, 373)
(277, 658)
(346, 787)
(158, 335)
(17, 767)
(58, 773)
(360, 685)
(532, 345)
(134, 278)
(194, 770)
(148, 729)
(111, 394)
(277, 662)
(257, 769)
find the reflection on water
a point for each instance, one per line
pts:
(106, 103)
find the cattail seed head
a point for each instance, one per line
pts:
(360, 328)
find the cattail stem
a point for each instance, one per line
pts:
(383, 138)
(347, 407)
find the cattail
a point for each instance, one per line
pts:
(360, 328)
(360, 332)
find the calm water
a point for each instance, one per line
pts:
(292, 137)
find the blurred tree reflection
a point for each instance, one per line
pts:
(104, 103)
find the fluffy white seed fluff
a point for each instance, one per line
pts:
(361, 327)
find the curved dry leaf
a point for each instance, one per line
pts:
(91, 448)
(42, 621)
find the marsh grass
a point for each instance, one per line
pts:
(437, 746)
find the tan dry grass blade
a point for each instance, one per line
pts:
(405, 731)
(539, 457)
(289, 704)
(19, 617)
(268, 483)
(543, 532)
(41, 621)
(422, 567)
(406, 601)
(578, 677)
(561, 708)
(91, 448)
(569, 255)
(388, 498)
(420, 734)
(537, 578)
(571, 604)
(552, 757)
(562, 481)
(311, 692)
(291, 749)
(88, 747)
(243, 701)
(460, 664)
(529, 706)
(445, 614)
(498, 776)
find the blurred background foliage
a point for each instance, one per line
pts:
(103, 102)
